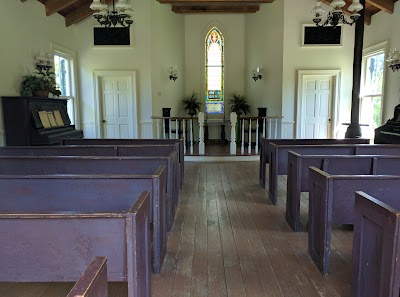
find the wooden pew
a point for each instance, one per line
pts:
(331, 201)
(265, 144)
(53, 226)
(46, 165)
(135, 152)
(150, 180)
(297, 180)
(177, 142)
(376, 245)
(93, 281)
(279, 157)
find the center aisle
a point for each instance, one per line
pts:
(229, 240)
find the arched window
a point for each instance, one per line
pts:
(214, 72)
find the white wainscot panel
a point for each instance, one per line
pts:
(89, 130)
(146, 129)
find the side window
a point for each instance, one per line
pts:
(65, 78)
(372, 89)
(214, 50)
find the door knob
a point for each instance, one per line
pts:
(104, 121)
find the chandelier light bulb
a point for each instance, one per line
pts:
(338, 3)
(355, 6)
(120, 14)
(336, 15)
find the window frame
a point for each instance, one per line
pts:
(222, 70)
(70, 55)
(369, 52)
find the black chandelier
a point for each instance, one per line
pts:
(120, 14)
(336, 16)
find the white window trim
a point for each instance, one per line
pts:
(70, 54)
(368, 52)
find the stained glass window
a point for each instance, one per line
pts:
(214, 72)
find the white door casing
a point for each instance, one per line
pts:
(116, 108)
(317, 103)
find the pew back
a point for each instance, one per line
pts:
(265, 149)
(42, 165)
(90, 193)
(177, 142)
(279, 157)
(298, 180)
(42, 244)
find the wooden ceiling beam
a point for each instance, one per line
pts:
(385, 5)
(209, 2)
(367, 17)
(80, 13)
(215, 9)
(53, 6)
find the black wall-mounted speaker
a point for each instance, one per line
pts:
(111, 36)
(314, 35)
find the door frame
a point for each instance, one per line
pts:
(98, 74)
(301, 76)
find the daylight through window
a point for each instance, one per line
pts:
(214, 72)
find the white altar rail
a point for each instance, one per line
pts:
(191, 130)
(269, 127)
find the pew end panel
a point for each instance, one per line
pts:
(297, 168)
(93, 281)
(320, 218)
(33, 250)
(339, 197)
(376, 247)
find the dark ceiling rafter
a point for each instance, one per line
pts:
(76, 10)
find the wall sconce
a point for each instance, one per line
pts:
(44, 62)
(173, 73)
(393, 60)
(257, 74)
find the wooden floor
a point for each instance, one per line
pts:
(229, 240)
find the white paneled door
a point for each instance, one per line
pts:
(316, 111)
(117, 106)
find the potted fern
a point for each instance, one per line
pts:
(39, 84)
(191, 104)
(240, 106)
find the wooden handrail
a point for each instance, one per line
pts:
(173, 118)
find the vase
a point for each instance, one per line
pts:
(41, 93)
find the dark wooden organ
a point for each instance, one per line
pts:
(390, 132)
(37, 121)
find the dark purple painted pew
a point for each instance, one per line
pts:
(297, 180)
(52, 227)
(265, 149)
(135, 152)
(177, 142)
(376, 245)
(46, 165)
(331, 201)
(93, 281)
(279, 157)
(149, 179)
